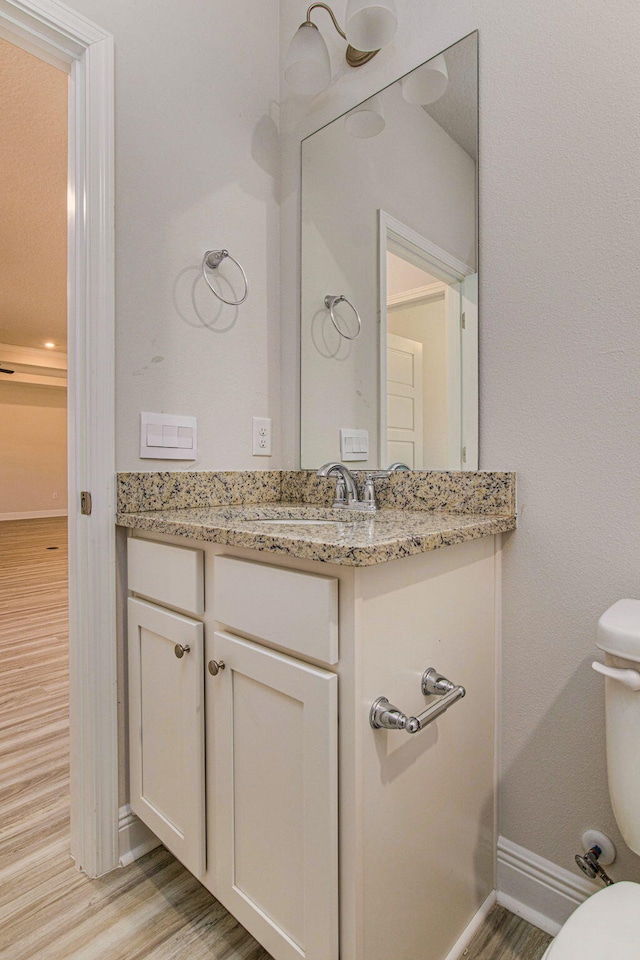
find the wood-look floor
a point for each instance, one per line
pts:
(151, 910)
(507, 937)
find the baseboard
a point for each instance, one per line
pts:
(471, 929)
(538, 890)
(33, 514)
(134, 837)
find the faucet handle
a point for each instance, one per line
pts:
(369, 495)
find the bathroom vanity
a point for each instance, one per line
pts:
(260, 635)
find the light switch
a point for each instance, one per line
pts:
(154, 435)
(164, 436)
(354, 444)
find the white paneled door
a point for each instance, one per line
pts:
(405, 401)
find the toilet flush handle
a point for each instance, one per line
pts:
(630, 678)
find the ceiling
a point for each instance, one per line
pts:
(457, 109)
(33, 200)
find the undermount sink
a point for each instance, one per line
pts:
(299, 522)
(298, 515)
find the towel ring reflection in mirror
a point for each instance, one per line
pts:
(213, 259)
(330, 302)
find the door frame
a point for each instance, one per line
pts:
(420, 251)
(60, 36)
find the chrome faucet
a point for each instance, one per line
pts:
(346, 494)
(346, 491)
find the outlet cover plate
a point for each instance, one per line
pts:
(261, 436)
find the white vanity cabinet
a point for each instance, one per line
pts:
(269, 851)
(326, 838)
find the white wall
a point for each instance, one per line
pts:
(340, 383)
(33, 441)
(559, 346)
(196, 169)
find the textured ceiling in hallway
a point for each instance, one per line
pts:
(33, 200)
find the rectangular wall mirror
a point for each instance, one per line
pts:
(389, 315)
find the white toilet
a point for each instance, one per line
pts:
(607, 925)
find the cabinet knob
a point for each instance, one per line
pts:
(180, 650)
(215, 666)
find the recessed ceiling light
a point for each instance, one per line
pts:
(49, 345)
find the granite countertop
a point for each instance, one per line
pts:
(343, 536)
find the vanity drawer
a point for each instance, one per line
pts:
(174, 576)
(290, 608)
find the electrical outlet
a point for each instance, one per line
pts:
(54, 496)
(262, 436)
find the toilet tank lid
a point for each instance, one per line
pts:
(619, 630)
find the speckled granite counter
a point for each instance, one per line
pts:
(419, 512)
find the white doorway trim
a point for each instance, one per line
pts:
(402, 240)
(60, 36)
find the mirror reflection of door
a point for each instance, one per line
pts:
(428, 353)
(418, 315)
(405, 401)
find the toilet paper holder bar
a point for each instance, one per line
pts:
(383, 715)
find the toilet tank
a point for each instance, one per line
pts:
(618, 636)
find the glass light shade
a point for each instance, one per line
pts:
(427, 83)
(370, 25)
(307, 68)
(367, 120)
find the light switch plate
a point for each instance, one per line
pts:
(354, 444)
(261, 436)
(164, 436)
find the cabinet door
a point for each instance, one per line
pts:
(166, 728)
(274, 781)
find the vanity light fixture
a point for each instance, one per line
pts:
(367, 120)
(368, 26)
(428, 83)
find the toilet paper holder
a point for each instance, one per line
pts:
(384, 716)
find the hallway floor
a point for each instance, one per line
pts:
(151, 910)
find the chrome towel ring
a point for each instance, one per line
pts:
(330, 302)
(213, 259)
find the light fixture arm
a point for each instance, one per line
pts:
(331, 14)
(355, 58)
